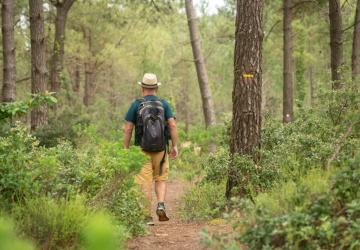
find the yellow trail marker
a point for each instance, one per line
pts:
(248, 75)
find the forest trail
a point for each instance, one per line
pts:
(174, 234)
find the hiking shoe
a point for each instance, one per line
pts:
(149, 221)
(160, 211)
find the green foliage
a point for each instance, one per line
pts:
(87, 160)
(345, 184)
(343, 104)
(324, 220)
(12, 109)
(297, 147)
(66, 125)
(126, 206)
(293, 202)
(68, 224)
(317, 212)
(101, 233)
(28, 169)
(195, 147)
(53, 224)
(8, 238)
(16, 154)
(205, 201)
(290, 195)
(303, 192)
(100, 171)
(251, 178)
(216, 166)
(204, 137)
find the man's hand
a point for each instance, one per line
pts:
(128, 128)
(174, 152)
(174, 137)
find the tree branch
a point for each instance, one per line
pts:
(339, 144)
(271, 29)
(351, 26)
(156, 6)
(68, 4)
(302, 2)
(24, 79)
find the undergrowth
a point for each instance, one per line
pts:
(304, 192)
(54, 193)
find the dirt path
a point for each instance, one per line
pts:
(174, 234)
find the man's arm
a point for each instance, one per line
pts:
(174, 137)
(128, 128)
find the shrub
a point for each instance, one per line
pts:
(126, 206)
(53, 224)
(205, 137)
(11, 109)
(296, 148)
(27, 169)
(216, 166)
(320, 211)
(101, 233)
(106, 163)
(8, 238)
(42, 186)
(64, 126)
(289, 195)
(16, 159)
(204, 201)
(251, 178)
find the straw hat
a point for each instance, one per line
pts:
(149, 81)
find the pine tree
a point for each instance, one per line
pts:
(246, 123)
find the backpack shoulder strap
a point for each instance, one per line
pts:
(141, 100)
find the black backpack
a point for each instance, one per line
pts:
(150, 126)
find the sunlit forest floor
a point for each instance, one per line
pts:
(176, 233)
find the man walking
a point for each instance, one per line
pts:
(154, 123)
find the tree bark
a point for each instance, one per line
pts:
(246, 123)
(77, 78)
(356, 45)
(336, 42)
(89, 85)
(57, 58)
(89, 71)
(203, 79)
(312, 86)
(9, 57)
(288, 87)
(186, 106)
(38, 60)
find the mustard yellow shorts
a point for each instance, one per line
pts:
(151, 169)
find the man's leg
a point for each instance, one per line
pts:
(160, 190)
(146, 188)
(145, 180)
(160, 183)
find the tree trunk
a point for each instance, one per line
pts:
(38, 60)
(356, 45)
(312, 86)
(336, 43)
(185, 104)
(203, 79)
(89, 81)
(77, 79)
(9, 58)
(89, 85)
(57, 59)
(288, 87)
(246, 123)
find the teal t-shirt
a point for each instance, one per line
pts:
(131, 114)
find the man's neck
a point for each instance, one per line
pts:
(147, 94)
